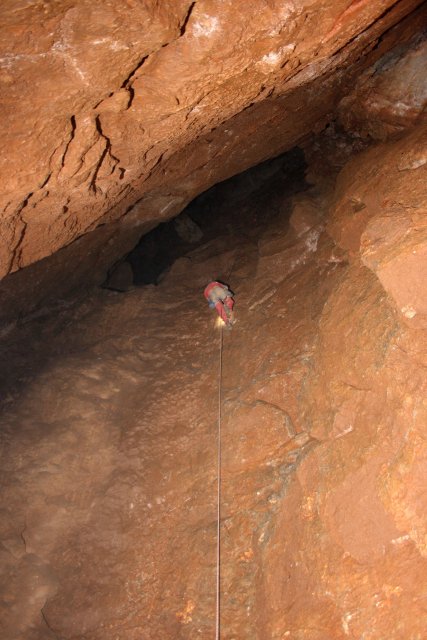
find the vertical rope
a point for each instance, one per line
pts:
(218, 529)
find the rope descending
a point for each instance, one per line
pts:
(218, 531)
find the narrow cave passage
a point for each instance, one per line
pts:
(236, 207)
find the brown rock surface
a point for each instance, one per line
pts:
(127, 111)
(391, 96)
(379, 212)
(109, 418)
(114, 116)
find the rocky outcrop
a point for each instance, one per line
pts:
(127, 113)
(110, 432)
(379, 215)
(391, 96)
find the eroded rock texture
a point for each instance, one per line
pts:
(127, 111)
(115, 115)
(110, 432)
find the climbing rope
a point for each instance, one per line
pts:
(218, 529)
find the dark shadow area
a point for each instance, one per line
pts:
(220, 210)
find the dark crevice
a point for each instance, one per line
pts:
(106, 151)
(187, 18)
(125, 84)
(72, 135)
(46, 180)
(131, 92)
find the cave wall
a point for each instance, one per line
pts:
(108, 404)
(109, 428)
(115, 118)
(352, 524)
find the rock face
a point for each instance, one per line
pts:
(126, 112)
(110, 417)
(391, 96)
(109, 403)
(381, 217)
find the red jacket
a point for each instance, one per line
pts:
(211, 286)
(223, 306)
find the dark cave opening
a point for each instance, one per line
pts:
(221, 210)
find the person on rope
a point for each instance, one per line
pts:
(220, 297)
